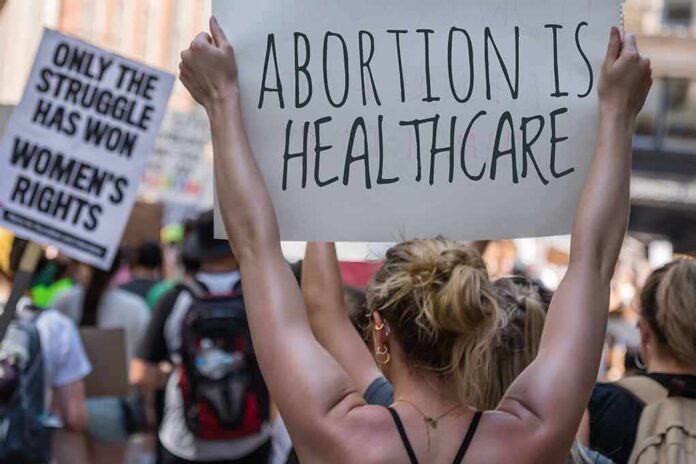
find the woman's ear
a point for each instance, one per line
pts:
(380, 340)
(647, 341)
(380, 329)
(646, 334)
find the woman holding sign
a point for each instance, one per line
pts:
(432, 304)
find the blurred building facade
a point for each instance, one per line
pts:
(151, 31)
(664, 184)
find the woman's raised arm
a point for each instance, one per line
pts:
(305, 382)
(557, 385)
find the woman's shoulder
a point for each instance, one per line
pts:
(57, 331)
(366, 434)
(125, 298)
(55, 319)
(126, 304)
(69, 303)
(614, 416)
(609, 391)
(610, 399)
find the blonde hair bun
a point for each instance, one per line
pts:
(441, 305)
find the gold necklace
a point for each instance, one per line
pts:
(430, 422)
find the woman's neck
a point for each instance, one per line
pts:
(668, 366)
(428, 393)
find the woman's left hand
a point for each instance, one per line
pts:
(208, 68)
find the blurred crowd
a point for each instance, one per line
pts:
(141, 292)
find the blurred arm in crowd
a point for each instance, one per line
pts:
(322, 290)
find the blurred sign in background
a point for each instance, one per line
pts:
(177, 169)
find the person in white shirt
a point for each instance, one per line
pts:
(102, 305)
(218, 276)
(65, 362)
(99, 304)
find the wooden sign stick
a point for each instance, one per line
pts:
(22, 281)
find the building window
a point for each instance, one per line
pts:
(681, 112)
(668, 119)
(678, 13)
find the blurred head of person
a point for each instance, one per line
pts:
(148, 259)
(200, 246)
(516, 344)
(435, 314)
(98, 284)
(355, 302)
(190, 264)
(668, 318)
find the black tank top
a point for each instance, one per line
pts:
(462, 449)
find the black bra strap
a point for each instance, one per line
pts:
(469, 436)
(404, 437)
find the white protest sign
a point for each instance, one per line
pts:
(178, 165)
(76, 145)
(374, 120)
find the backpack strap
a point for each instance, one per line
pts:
(172, 326)
(195, 288)
(644, 389)
(22, 282)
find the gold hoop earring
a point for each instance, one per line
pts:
(384, 353)
(379, 327)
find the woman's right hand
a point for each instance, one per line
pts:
(208, 68)
(626, 78)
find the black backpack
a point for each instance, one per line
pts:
(224, 395)
(24, 437)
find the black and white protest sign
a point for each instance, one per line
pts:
(374, 120)
(76, 145)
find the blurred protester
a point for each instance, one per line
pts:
(111, 420)
(629, 420)
(355, 304)
(64, 367)
(146, 271)
(100, 304)
(54, 276)
(516, 344)
(434, 309)
(190, 267)
(215, 375)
